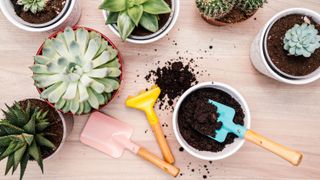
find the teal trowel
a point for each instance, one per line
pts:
(226, 115)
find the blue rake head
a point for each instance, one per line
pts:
(226, 115)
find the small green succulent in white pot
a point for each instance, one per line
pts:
(140, 21)
(77, 70)
(41, 15)
(287, 49)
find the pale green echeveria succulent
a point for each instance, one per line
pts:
(302, 40)
(128, 14)
(33, 5)
(78, 71)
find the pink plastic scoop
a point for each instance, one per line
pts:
(112, 137)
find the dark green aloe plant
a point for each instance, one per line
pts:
(22, 136)
(128, 14)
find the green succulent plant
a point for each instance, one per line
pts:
(215, 8)
(219, 8)
(77, 71)
(302, 40)
(128, 14)
(22, 137)
(33, 5)
(250, 5)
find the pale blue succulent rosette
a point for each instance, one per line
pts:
(77, 71)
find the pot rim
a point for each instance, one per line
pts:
(214, 155)
(263, 55)
(154, 36)
(114, 94)
(25, 27)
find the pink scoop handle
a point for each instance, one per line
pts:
(143, 153)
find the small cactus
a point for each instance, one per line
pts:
(215, 8)
(302, 40)
(250, 5)
(33, 5)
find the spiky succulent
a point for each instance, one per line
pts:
(78, 70)
(128, 14)
(23, 136)
(219, 8)
(250, 5)
(33, 5)
(302, 40)
(215, 8)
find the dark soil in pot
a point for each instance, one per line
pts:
(56, 127)
(292, 65)
(197, 117)
(163, 19)
(52, 10)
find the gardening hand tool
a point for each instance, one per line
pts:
(145, 102)
(226, 115)
(112, 137)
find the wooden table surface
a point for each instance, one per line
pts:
(285, 113)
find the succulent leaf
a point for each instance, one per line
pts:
(34, 6)
(302, 40)
(131, 15)
(17, 139)
(81, 59)
(114, 5)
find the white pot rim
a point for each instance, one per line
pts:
(155, 36)
(265, 30)
(228, 151)
(36, 29)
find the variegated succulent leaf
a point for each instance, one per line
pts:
(128, 14)
(33, 6)
(77, 69)
(23, 135)
(302, 40)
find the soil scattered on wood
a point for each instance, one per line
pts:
(187, 114)
(55, 128)
(52, 10)
(173, 79)
(293, 65)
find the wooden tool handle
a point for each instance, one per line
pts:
(292, 156)
(168, 168)
(165, 149)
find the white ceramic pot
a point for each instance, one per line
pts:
(230, 148)
(68, 17)
(175, 6)
(259, 57)
(67, 122)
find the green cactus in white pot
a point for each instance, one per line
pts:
(129, 14)
(302, 40)
(78, 71)
(33, 5)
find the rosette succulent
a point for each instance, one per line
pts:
(218, 8)
(128, 14)
(302, 40)
(33, 5)
(23, 136)
(77, 71)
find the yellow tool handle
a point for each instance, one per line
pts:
(292, 156)
(165, 149)
(168, 168)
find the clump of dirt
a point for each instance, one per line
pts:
(173, 79)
